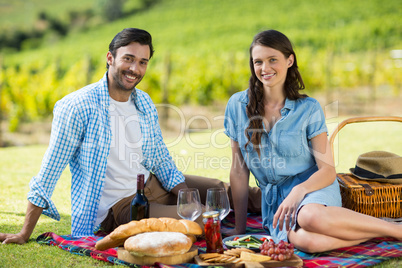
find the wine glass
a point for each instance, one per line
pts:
(218, 200)
(189, 204)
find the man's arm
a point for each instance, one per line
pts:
(176, 189)
(159, 161)
(31, 218)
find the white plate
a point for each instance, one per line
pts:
(230, 238)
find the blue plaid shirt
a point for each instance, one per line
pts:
(81, 137)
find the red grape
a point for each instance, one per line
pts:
(281, 251)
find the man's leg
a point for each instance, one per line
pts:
(118, 214)
(161, 204)
(164, 204)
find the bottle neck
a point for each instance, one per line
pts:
(140, 183)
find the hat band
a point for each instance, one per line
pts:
(371, 175)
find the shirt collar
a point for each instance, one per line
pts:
(104, 95)
(244, 97)
(104, 92)
(137, 103)
(289, 104)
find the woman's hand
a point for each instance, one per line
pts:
(287, 209)
(325, 175)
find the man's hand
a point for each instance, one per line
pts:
(12, 238)
(31, 218)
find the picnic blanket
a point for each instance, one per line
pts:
(366, 254)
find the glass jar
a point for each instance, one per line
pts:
(212, 228)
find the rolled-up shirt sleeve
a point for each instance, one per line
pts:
(64, 140)
(316, 121)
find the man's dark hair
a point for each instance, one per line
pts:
(127, 36)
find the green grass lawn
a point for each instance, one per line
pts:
(206, 154)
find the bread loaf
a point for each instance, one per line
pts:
(121, 233)
(158, 244)
(193, 238)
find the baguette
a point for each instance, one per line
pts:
(121, 233)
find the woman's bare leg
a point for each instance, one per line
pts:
(313, 242)
(338, 227)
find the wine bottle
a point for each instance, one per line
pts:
(139, 204)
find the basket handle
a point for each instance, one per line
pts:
(359, 120)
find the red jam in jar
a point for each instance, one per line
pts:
(212, 228)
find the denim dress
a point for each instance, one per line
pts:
(286, 159)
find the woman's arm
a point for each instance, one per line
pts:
(326, 173)
(323, 177)
(239, 179)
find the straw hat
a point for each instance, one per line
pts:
(379, 166)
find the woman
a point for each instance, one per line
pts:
(279, 134)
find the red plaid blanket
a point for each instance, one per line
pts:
(366, 254)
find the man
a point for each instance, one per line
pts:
(108, 132)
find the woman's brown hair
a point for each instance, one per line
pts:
(293, 83)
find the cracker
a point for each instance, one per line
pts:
(207, 256)
(237, 251)
(218, 258)
(232, 252)
(229, 259)
(245, 249)
(213, 260)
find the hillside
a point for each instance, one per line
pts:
(342, 46)
(208, 25)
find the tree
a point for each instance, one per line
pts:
(112, 9)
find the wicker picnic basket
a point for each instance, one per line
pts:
(382, 200)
